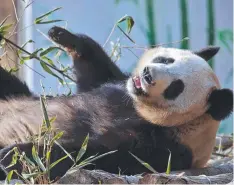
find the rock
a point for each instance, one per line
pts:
(81, 176)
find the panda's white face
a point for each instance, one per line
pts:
(175, 83)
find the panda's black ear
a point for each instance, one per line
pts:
(221, 103)
(208, 52)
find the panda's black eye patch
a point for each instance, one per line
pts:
(163, 60)
(174, 90)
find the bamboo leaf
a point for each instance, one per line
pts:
(25, 58)
(169, 164)
(48, 70)
(29, 41)
(49, 49)
(48, 22)
(40, 18)
(48, 154)
(69, 155)
(13, 70)
(9, 177)
(5, 28)
(122, 19)
(45, 115)
(144, 164)
(37, 159)
(48, 60)
(14, 157)
(83, 148)
(52, 119)
(95, 158)
(129, 20)
(34, 54)
(28, 161)
(30, 175)
(56, 137)
(130, 24)
(87, 159)
(58, 161)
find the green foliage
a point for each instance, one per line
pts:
(41, 19)
(151, 30)
(128, 20)
(168, 171)
(145, 164)
(83, 148)
(226, 38)
(211, 26)
(184, 23)
(9, 176)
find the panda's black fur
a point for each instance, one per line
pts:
(113, 125)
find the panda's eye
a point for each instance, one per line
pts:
(163, 60)
(169, 61)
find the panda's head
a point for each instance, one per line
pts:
(172, 86)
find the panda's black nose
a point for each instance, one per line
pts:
(147, 76)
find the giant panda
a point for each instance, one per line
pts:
(171, 103)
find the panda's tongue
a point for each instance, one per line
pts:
(137, 81)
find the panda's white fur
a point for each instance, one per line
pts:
(197, 76)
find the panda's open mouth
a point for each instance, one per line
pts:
(138, 86)
(137, 82)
